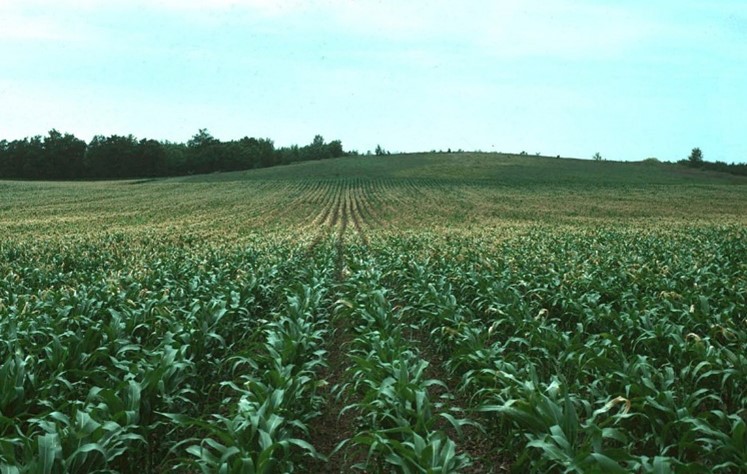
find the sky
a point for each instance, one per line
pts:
(629, 80)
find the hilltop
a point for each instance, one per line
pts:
(497, 168)
(403, 191)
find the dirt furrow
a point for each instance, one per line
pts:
(354, 211)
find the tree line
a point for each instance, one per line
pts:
(695, 160)
(59, 156)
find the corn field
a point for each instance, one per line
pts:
(358, 324)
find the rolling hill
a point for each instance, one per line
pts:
(416, 313)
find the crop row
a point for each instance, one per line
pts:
(398, 422)
(611, 351)
(108, 354)
(268, 430)
(590, 349)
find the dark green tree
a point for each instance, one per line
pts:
(316, 150)
(113, 157)
(334, 149)
(287, 155)
(202, 139)
(258, 153)
(696, 157)
(151, 159)
(31, 159)
(175, 158)
(64, 155)
(5, 163)
(203, 154)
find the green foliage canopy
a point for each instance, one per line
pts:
(64, 157)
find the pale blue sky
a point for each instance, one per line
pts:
(628, 79)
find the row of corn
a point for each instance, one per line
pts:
(399, 422)
(147, 356)
(602, 351)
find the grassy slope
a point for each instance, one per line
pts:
(413, 190)
(487, 167)
(481, 196)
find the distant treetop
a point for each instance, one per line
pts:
(64, 157)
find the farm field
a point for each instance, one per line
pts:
(414, 313)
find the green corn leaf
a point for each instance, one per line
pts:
(49, 450)
(607, 464)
